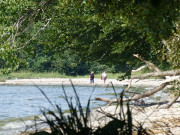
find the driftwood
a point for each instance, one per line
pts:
(170, 103)
(140, 68)
(136, 96)
(157, 73)
(149, 64)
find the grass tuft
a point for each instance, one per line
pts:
(78, 120)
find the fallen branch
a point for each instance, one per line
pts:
(140, 68)
(129, 86)
(157, 74)
(136, 96)
(170, 103)
(149, 64)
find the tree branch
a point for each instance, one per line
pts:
(170, 103)
(42, 28)
(157, 74)
(149, 64)
(140, 68)
(136, 96)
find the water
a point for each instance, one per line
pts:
(19, 104)
(24, 102)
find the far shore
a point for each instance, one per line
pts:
(85, 82)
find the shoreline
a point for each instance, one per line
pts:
(85, 82)
(159, 121)
(156, 116)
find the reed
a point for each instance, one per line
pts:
(78, 120)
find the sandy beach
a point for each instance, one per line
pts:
(84, 81)
(160, 121)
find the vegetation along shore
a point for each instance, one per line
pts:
(137, 43)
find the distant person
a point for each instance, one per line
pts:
(104, 77)
(92, 78)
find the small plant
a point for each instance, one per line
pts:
(78, 120)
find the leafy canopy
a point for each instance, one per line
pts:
(94, 30)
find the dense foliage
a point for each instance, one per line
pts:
(76, 36)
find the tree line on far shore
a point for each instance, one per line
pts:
(75, 37)
(67, 64)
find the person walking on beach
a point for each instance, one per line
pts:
(92, 78)
(104, 77)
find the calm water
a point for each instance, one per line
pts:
(24, 102)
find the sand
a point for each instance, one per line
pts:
(84, 81)
(161, 121)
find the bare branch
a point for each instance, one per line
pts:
(170, 103)
(158, 74)
(140, 68)
(129, 86)
(149, 64)
(30, 16)
(136, 96)
(42, 28)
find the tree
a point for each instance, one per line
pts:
(104, 31)
(71, 27)
(155, 20)
(16, 29)
(70, 64)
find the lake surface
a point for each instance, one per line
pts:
(19, 104)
